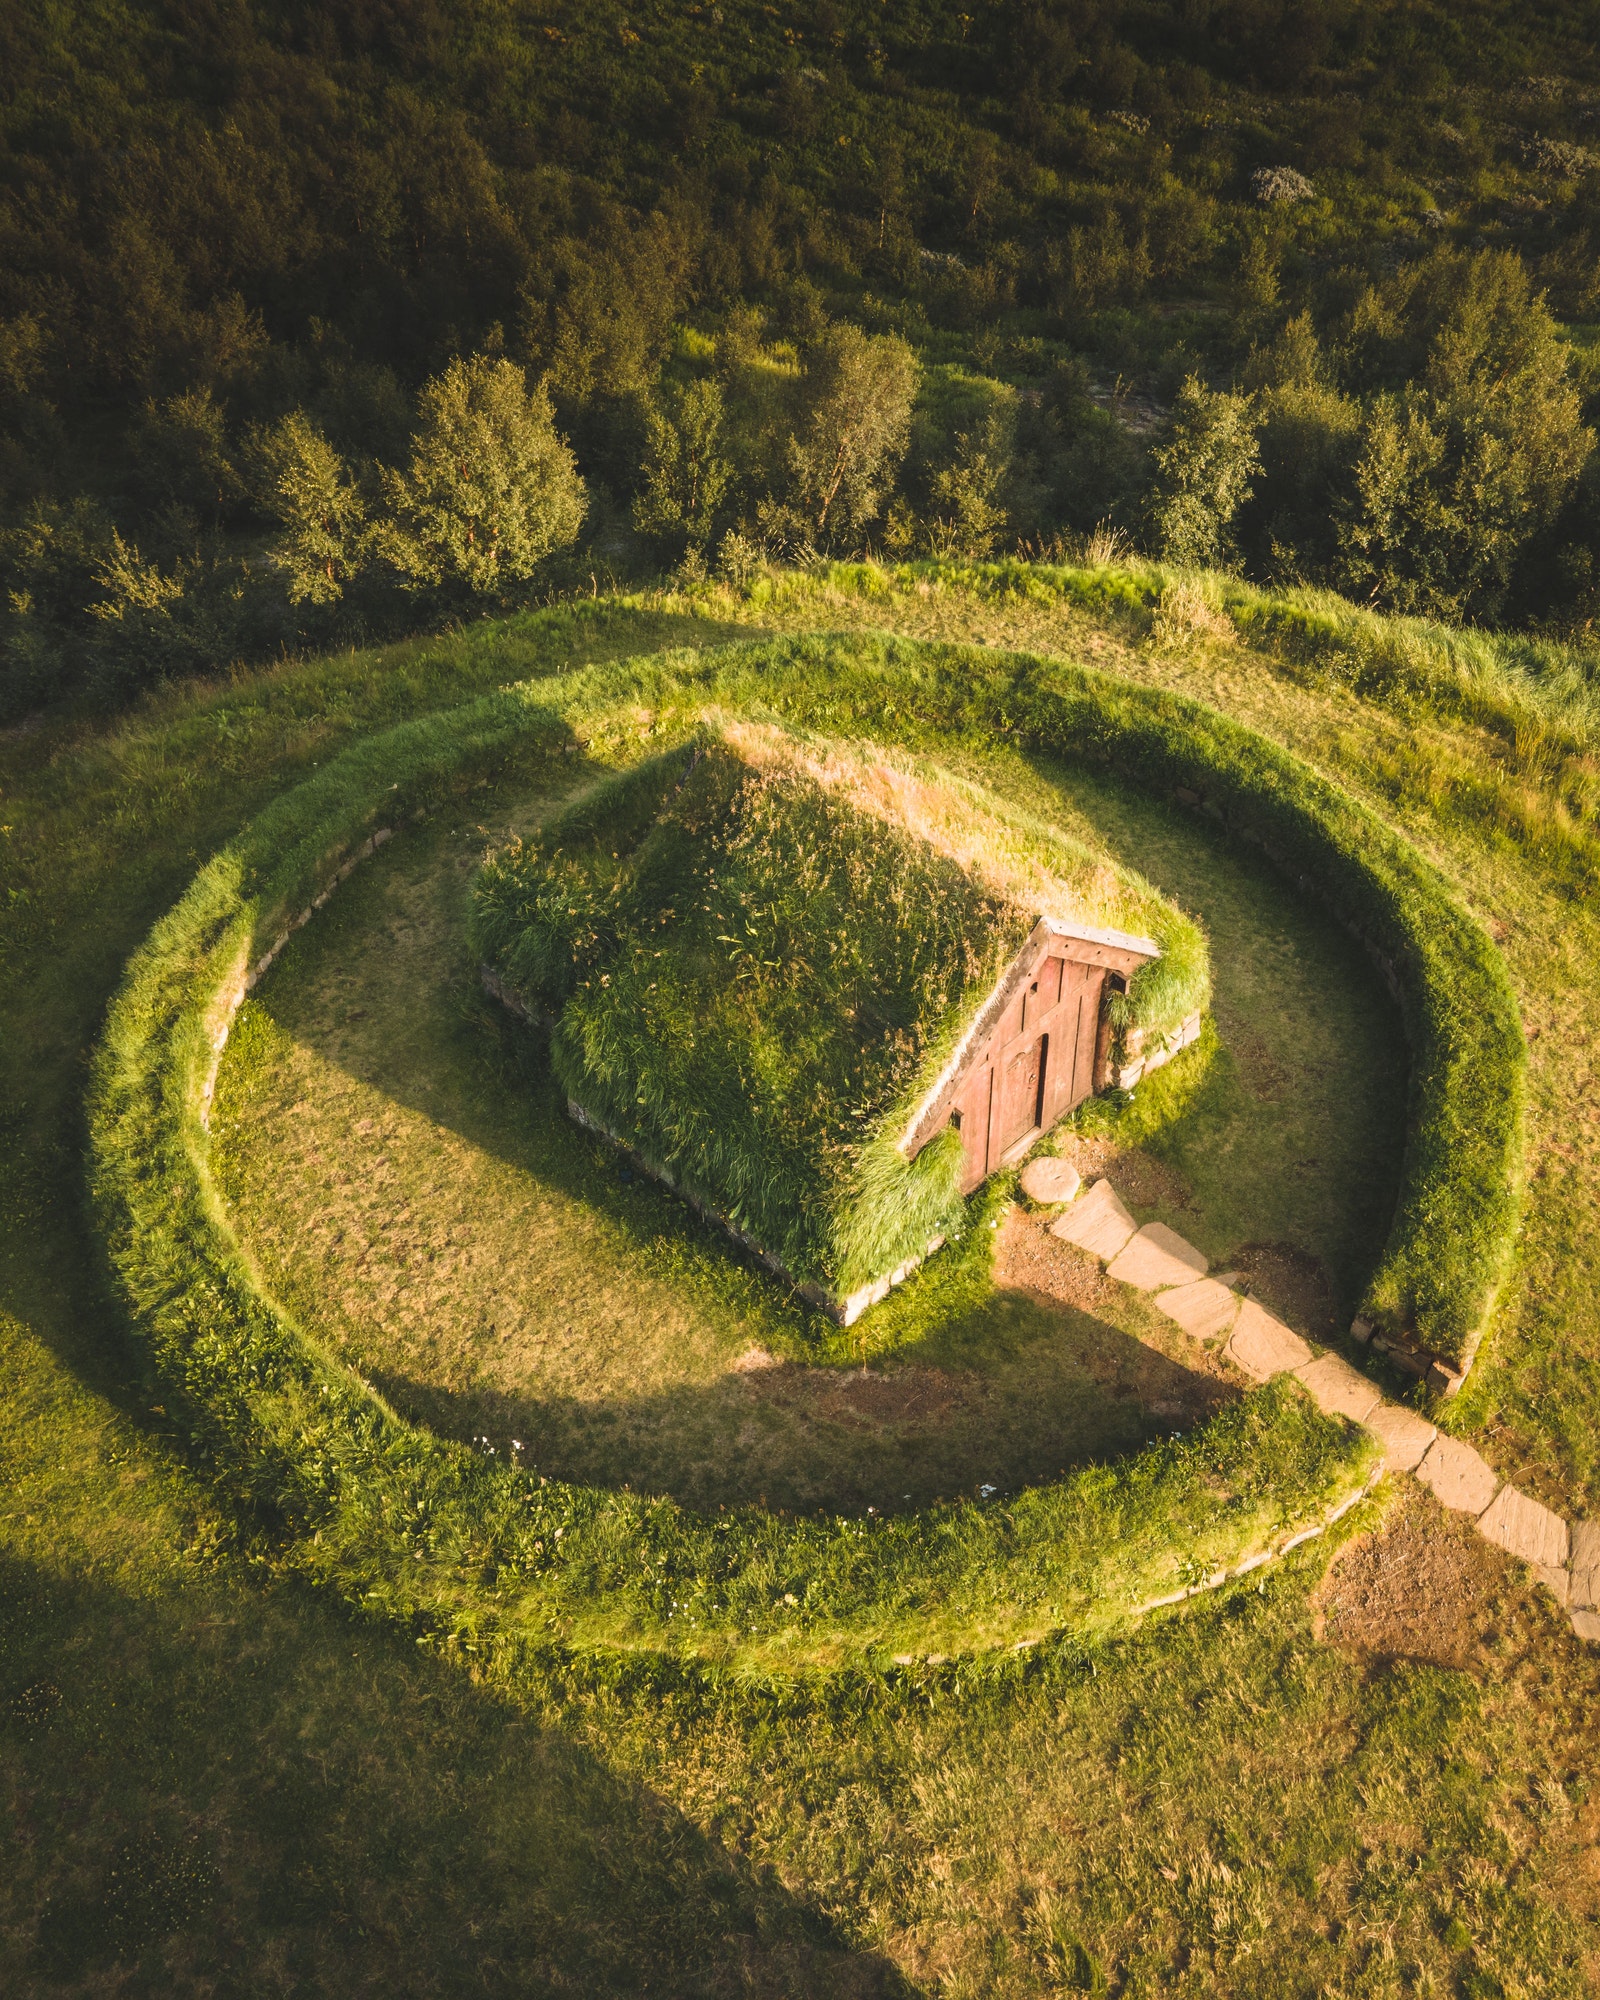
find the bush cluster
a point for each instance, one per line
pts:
(918, 284)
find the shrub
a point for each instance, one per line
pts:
(1204, 469)
(490, 490)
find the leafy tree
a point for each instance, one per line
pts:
(48, 571)
(1204, 469)
(686, 470)
(1309, 436)
(967, 516)
(858, 392)
(306, 486)
(491, 490)
(182, 458)
(1094, 468)
(600, 316)
(146, 627)
(1465, 462)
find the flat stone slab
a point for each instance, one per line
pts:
(1096, 1222)
(1205, 1310)
(1263, 1346)
(1456, 1476)
(1523, 1528)
(1404, 1435)
(1585, 1560)
(1336, 1387)
(1556, 1581)
(1587, 1625)
(1048, 1181)
(1158, 1257)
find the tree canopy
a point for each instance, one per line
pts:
(853, 276)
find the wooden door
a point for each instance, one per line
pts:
(1085, 1039)
(1022, 1090)
(973, 1118)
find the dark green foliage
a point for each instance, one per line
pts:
(1479, 449)
(216, 222)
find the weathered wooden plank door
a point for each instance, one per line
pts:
(1021, 1090)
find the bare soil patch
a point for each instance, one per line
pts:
(1293, 1284)
(1140, 1178)
(867, 1398)
(1425, 1587)
(1176, 1377)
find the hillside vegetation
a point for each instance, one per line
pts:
(1308, 291)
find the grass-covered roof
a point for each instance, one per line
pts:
(758, 949)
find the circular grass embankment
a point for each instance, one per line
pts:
(396, 1156)
(452, 1541)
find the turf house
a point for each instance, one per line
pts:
(825, 990)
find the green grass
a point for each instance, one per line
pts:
(1292, 1139)
(1220, 1804)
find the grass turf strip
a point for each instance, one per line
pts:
(446, 1538)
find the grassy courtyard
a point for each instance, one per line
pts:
(399, 1160)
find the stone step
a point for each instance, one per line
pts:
(1457, 1477)
(1158, 1257)
(1096, 1222)
(1205, 1310)
(1566, 1560)
(1335, 1386)
(1263, 1346)
(1404, 1435)
(1050, 1181)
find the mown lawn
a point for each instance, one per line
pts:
(215, 1783)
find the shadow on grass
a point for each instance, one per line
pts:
(982, 1386)
(838, 1440)
(228, 1787)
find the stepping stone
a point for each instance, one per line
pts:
(1523, 1528)
(1097, 1222)
(1456, 1476)
(1263, 1346)
(1205, 1309)
(1158, 1257)
(1556, 1581)
(1335, 1386)
(1048, 1181)
(1404, 1435)
(1586, 1565)
(1587, 1625)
